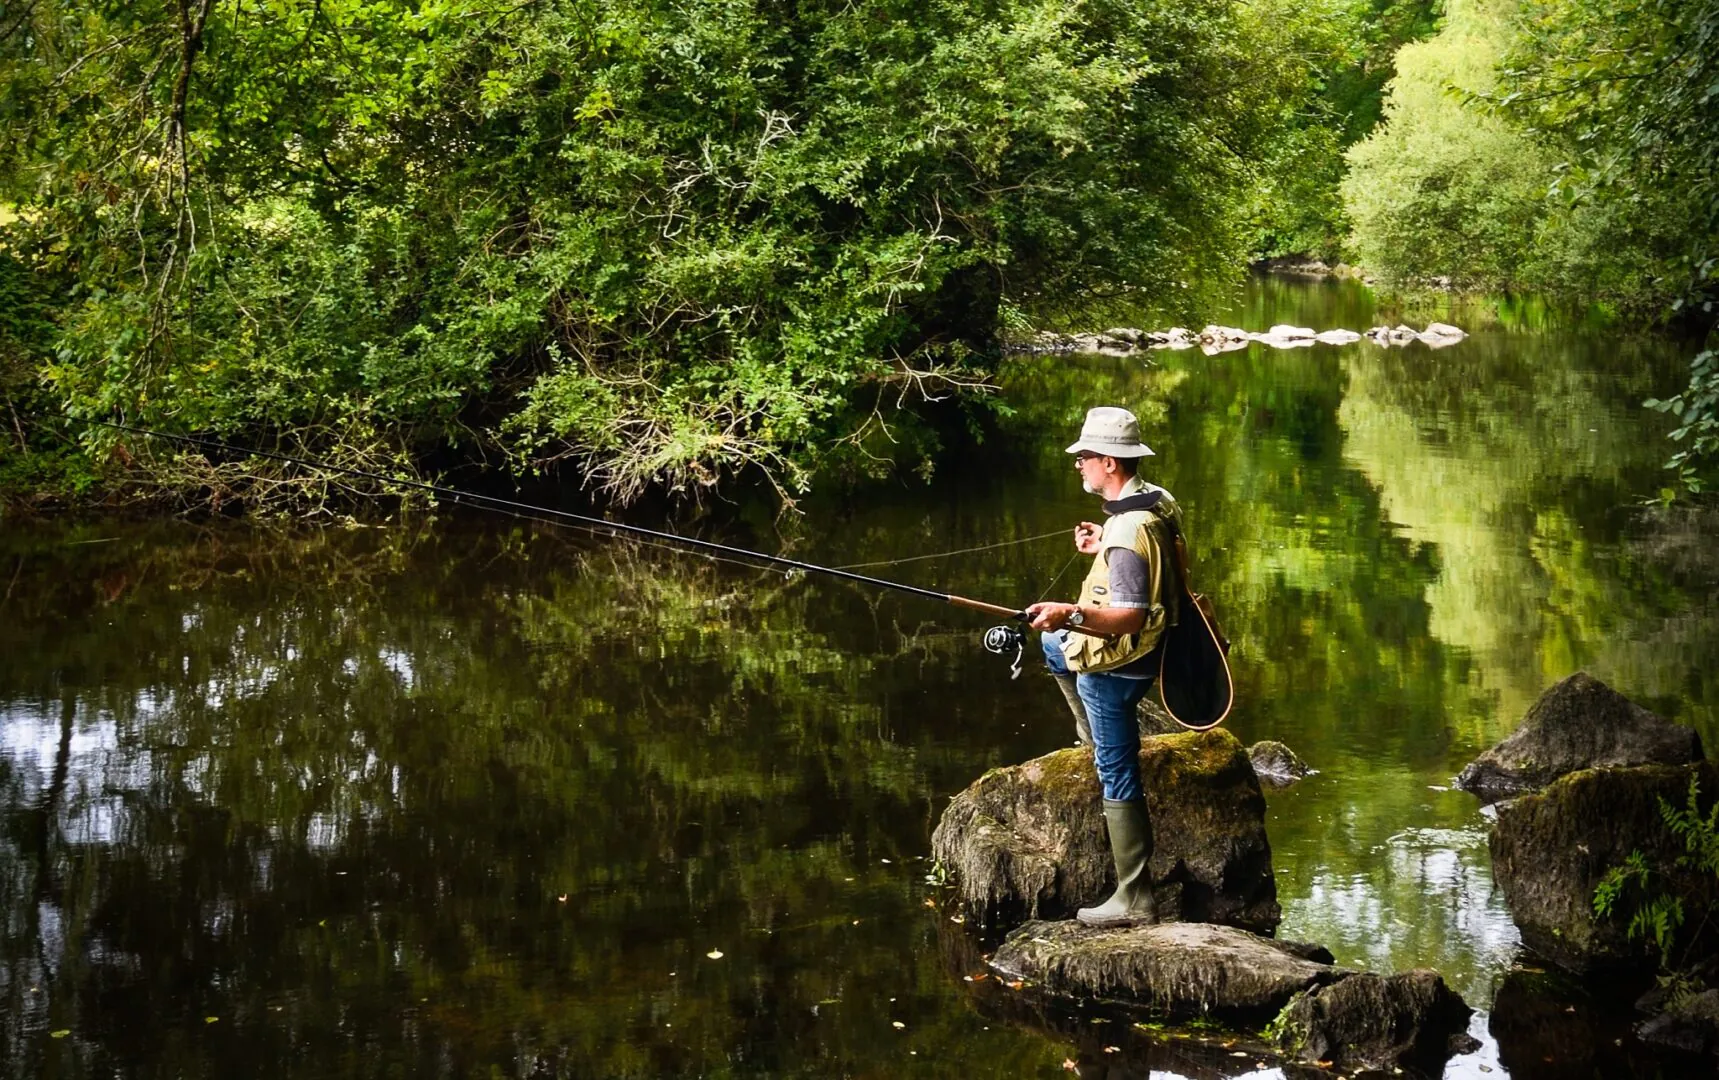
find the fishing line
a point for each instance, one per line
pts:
(960, 551)
(1059, 574)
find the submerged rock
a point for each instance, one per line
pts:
(1318, 1012)
(1550, 850)
(1544, 1016)
(1028, 841)
(1579, 723)
(1690, 1025)
(1276, 764)
(1367, 1021)
(1179, 970)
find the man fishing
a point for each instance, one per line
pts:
(1106, 669)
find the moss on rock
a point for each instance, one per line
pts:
(1550, 850)
(1028, 841)
(1179, 970)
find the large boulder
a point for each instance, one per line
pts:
(1550, 850)
(1580, 723)
(1317, 1012)
(1028, 841)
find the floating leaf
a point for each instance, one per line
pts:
(714, 954)
(897, 1024)
(60, 1034)
(210, 1019)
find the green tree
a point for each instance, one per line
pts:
(1442, 189)
(658, 243)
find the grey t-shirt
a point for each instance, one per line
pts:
(1130, 587)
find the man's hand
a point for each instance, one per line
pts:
(1049, 615)
(1086, 537)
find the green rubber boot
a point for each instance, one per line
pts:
(1082, 726)
(1132, 904)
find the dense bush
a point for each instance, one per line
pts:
(1482, 173)
(1346, 51)
(1628, 90)
(1443, 189)
(660, 242)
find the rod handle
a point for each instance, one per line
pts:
(1010, 613)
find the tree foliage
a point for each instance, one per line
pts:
(659, 242)
(1347, 51)
(1442, 189)
(1629, 90)
(1489, 170)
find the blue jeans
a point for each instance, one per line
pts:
(1112, 707)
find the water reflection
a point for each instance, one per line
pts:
(461, 796)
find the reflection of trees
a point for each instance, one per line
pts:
(1515, 459)
(332, 789)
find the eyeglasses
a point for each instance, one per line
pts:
(1083, 457)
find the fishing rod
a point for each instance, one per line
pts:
(998, 639)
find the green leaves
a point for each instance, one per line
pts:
(657, 243)
(1655, 906)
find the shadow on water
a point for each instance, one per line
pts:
(465, 797)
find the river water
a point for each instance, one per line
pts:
(468, 797)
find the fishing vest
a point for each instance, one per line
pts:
(1137, 523)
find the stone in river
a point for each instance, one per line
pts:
(1275, 764)
(1318, 1012)
(1690, 1025)
(1180, 970)
(1579, 723)
(1377, 1022)
(1028, 841)
(1550, 850)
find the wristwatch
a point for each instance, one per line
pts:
(1075, 618)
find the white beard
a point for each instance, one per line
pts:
(1086, 486)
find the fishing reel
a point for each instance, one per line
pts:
(1000, 639)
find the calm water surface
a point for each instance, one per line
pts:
(463, 798)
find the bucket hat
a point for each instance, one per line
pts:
(1113, 432)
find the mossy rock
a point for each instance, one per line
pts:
(1579, 723)
(1365, 1021)
(1550, 850)
(1188, 973)
(1178, 970)
(1028, 841)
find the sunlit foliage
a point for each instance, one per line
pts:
(658, 242)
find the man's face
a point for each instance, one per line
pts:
(1091, 469)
